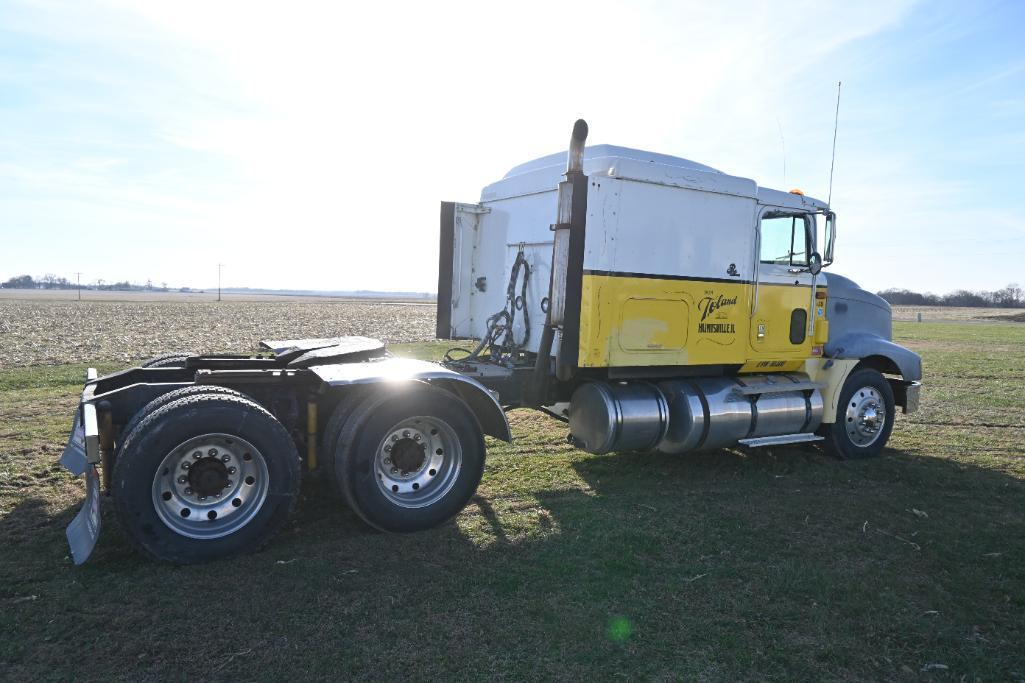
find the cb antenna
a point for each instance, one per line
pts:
(782, 144)
(832, 162)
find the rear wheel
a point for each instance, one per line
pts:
(171, 397)
(168, 360)
(864, 417)
(409, 459)
(329, 444)
(205, 477)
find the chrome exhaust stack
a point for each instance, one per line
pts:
(555, 318)
(575, 158)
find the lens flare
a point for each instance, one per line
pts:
(620, 629)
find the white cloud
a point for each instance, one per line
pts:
(329, 132)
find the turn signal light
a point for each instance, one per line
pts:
(820, 294)
(816, 350)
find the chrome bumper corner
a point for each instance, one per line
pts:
(913, 394)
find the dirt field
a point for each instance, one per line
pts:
(778, 564)
(41, 331)
(952, 314)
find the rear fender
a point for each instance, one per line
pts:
(389, 370)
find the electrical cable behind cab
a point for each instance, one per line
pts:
(500, 325)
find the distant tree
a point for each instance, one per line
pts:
(904, 297)
(1010, 296)
(20, 282)
(962, 297)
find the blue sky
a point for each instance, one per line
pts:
(307, 145)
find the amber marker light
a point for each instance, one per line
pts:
(796, 191)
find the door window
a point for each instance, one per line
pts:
(784, 239)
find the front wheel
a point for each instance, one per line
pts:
(409, 459)
(864, 417)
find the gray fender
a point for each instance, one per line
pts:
(861, 345)
(484, 405)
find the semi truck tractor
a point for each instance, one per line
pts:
(649, 302)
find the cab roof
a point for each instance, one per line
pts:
(544, 173)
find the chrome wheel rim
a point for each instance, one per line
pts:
(865, 416)
(418, 462)
(210, 486)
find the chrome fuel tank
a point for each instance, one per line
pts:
(624, 416)
(676, 416)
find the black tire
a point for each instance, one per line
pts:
(168, 360)
(142, 472)
(170, 397)
(864, 388)
(364, 434)
(329, 438)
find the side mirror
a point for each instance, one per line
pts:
(815, 263)
(830, 237)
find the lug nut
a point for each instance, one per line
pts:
(416, 437)
(225, 458)
(188, 491)
(202, 497)
(232, 470)
(405, 434)
(212, 452)
(394, 437)
(230, 484)
(197, 455)
(182, 480)
(387, 449)
(185, 465)
(387, 461)
(395, 470)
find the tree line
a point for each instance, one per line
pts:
(1011, 296)
(50, 281)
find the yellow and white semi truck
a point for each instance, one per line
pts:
(670, 307)
(651, 302)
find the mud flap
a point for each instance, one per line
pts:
(80, 456)
(84, 529)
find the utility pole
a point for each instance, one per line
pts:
(219, 266)
(79, 276)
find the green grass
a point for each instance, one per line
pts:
(780, 564)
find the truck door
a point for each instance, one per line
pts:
(781, 299)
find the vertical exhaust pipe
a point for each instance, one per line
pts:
(555, 316)
(575, 158)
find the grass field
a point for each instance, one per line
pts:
(769, 564)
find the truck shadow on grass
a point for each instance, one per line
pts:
(732, 564)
